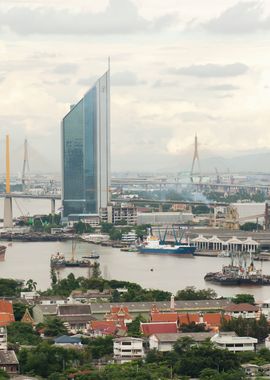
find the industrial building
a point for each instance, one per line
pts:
(86, 152)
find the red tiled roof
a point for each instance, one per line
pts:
(6, 307)
(106, 327)
(158, 328)
(187, 318)
(119, 309)
(164, 317)
(212, 319)
(242, 307)
(6, 313)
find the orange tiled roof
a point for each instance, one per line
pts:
(106, 327)
(187, 318)
(6, 319)
(6, 313)
(6, 307)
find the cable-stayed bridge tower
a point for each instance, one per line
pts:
(8, 223)
(25, 170)
(195, 158)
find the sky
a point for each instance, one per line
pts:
(178, 67)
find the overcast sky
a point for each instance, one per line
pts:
(178, 67)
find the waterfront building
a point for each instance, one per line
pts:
(86, 152)
(116, 213)
(164, 218)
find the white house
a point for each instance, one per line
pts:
(165, 342)
(127, 348)
(234, 343)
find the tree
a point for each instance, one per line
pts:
(134, 328)
(96, 270)
(191, 293)
(19, 309)
(183, 344)
(251, 226)
(22, 333)
(10, 288)
(31, 285)
(54, 327)
(244, 298)
(115, 234)
(106, 227)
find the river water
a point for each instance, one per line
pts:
(32, 260)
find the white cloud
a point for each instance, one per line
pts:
(211, 70)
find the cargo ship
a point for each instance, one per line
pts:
(159, 246)
(239, 274)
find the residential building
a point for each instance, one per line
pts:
(9, 362)
(76, 317)
(41, 312)
(129, 238)
(127, 348)
(251, 370)
(52, 300)
(234, 343)
(165, 342)
(91, 295)
(116, 213)
(265, 308)
(3, 338)
(245, 310)
(86, 152)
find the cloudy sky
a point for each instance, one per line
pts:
(178, 67)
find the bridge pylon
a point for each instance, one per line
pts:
(8, 223)
(195, 158)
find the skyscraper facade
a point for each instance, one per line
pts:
(86, 152)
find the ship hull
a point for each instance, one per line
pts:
(180, 251)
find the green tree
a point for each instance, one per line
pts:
(96, 270)
(251, 226)
(106, 227)
(31, 285)
(19, 309)
(134, 328)
(22, 333)
(244, 298)
(191, 293)
(54, 327)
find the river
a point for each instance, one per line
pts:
(32, 260)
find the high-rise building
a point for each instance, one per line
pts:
(86, 152)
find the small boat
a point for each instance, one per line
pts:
(93, 256)
(59, 260)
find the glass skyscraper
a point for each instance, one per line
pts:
(86, 152)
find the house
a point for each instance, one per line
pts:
(29, 296)
(91, 295)
(102, 328)
(9, 362)
(6, 313)
(245, 310)
(66, 340)
(3, 338)
(265, 308)
(127, 348)
(251, 370)
(41, 312)
(151, 328)
(52, 300)
(234, 343)
(76, 316)
(265, 369)
(165, 342)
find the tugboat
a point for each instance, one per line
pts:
(59, 261)
(239, 274)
